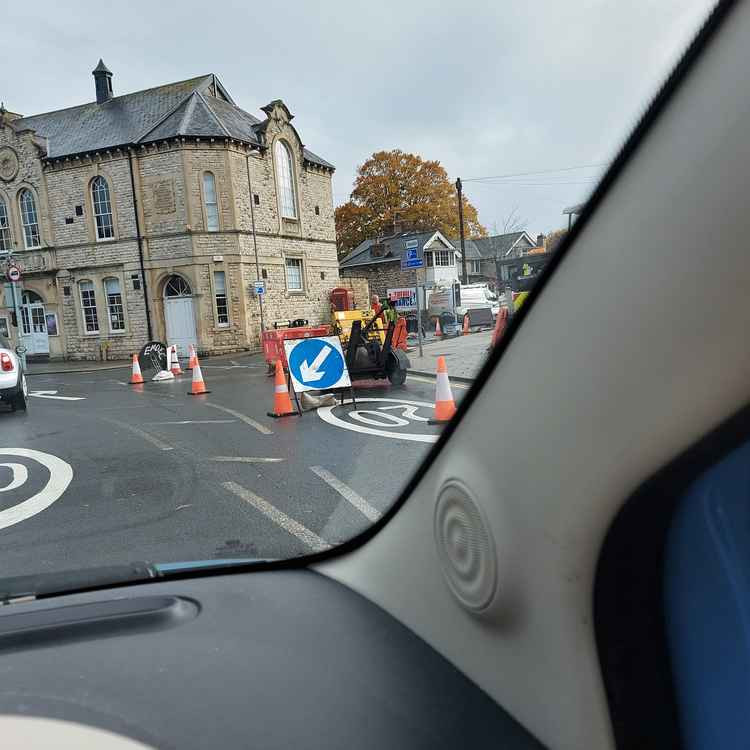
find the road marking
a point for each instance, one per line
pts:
(162, 446)
(198, 421)
(19, 476)
(372, 514)
(310, 538)
(247, 459)
(60, 476)
(327, 415)
(51, 394)
(242, 417)
(431, 381)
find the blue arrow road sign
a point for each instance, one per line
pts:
(317, 364)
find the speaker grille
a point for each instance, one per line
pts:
(465, 547)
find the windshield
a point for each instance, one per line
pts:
(246, 306)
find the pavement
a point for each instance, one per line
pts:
(99, 472)
(464, 355)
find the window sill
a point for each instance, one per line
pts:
(117, 333)
(102, 240)
(295, 291)
(91, 333)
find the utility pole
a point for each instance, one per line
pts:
(464, 276)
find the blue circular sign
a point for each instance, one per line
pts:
(316, 364)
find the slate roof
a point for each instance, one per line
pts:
(184, 108)
(394, 249)
(489, 247)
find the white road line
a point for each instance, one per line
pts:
(372, 514)
(60, 475)
(19, 476)
(162, 446)
(198, 421)
(242, 417)
(310, 538)
(431, 381)
(245, 459)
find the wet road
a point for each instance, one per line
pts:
(150, 473)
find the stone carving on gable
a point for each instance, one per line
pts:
(8, 163)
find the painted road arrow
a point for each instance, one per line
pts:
(310, 373)
(51, 394)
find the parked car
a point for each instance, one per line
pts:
(13, 388)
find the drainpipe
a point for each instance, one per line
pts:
(140, 247)
(255, 241)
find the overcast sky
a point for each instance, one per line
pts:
(487, 88)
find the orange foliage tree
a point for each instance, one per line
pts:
(395, 186)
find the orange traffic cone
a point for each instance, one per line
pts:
(282, 404)
(198, 386)
(193, 361)
(438, 329)
(136, 377)
(175, 369)
(445, 406)
(501, 320)
(466, 330)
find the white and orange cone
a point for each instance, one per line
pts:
(136, 378)
(175, 369)
(193, 361)
(282, 404)
(197, 387)
(438, 329)
(445, 406)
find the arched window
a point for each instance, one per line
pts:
(6, 242)
(176, 286)
(29, 220)
(102, 209)
(88, 307)
(285, 180)
(212, 205)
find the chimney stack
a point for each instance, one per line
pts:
(103, 80)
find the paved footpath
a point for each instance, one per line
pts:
(464, 355)
(99, 472)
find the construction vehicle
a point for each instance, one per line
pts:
(369, 357)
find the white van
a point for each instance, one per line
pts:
(473, 296)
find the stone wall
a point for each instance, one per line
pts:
(382, 276)
(360, 287)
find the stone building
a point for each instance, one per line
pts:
(151, 216)
(379, 261)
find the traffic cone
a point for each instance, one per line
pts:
(136, 377)
(175, 369)
(198, 386)
(466, 330)
(193, 361)
(282, 404)
(501, 320)
(445, 406)
(438, 329)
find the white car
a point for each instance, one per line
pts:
(13, 388)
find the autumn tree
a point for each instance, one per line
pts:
(553, 239)
(393, 186)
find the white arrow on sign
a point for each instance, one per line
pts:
(51, 394)
(310, 373)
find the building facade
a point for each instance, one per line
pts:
(379, 261)
(152, 216)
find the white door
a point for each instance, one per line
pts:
(180, 323)
(33, 326)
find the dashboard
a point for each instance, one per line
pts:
(267, 659)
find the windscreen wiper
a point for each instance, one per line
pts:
(18, 589)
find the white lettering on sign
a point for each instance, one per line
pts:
(380, 418)
(405, 299)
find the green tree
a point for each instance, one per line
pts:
(395, 186)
